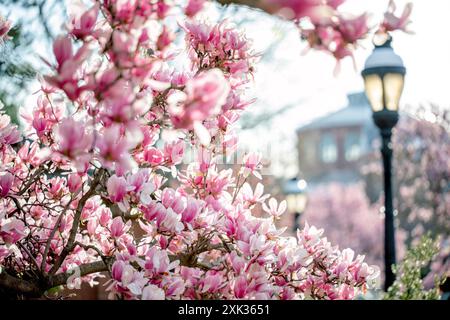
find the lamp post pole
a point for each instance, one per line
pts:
(386, 122)
(389, 235)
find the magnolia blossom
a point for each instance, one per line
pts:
(5, 26)
(83, 25)
(73, 141)
(205, 94)
(68, 63)
(11, 229)
(9, 134)
(152, 292)
(274, 209)
(392, 22)
(6, 182)
(193, 7)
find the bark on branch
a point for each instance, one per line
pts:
(13, 284)
(84, 269)
(36, 289)
(76, 221)
(258, 4)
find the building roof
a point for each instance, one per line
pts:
(357, 112)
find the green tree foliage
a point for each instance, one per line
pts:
(409, 283)
(15, 72)
(35, 24)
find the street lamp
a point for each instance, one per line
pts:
(295, 190)
(383, 75)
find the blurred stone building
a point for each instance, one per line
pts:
(332, 148)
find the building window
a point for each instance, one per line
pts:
(352, 146)
(328, 148)
(309, 150)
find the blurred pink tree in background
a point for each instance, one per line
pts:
(347, 216)
(422, 196)
(422, 172)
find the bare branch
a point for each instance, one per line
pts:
(76, 221)
(257, 4)
(14, 284)
(85, 269)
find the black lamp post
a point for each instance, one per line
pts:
(295, 190)
(384, 78)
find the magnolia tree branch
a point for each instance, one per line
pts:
(13, 284)
(262, 5)
(84, 269)
(33, 289)
(76, 221)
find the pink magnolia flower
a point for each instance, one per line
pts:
(175, 287)
(9, 134)
(240, 286)
(154, 210)
(205, 94)
(158, 262)
(174, 152)
(105, 217)
(193, 208)
(92, 226)
(253, 197)
(73, 141)
(74, 182)
(153, 156)
(128, 279)
(5, 26)
(293, 9)
(212, 282)
(118, 228)
(165, 38)
(67, 66)
(113, 148)
(252, 163)
(57, 188)
(11, 230)
(353, 29)
(152, 292)
(171, 221)
(44, 117)
(310, 235)
(171, 199)
(193, 7)
(237, 262)
(83, 25)
(255, 245)
(6, 182)
(273, 209)
(392, 22)
(117, 190)
(217, 183)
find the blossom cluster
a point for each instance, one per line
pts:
(94, 187)
(326, 28)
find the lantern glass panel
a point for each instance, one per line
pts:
(291, 202)
(393, 87)
(374, 91)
